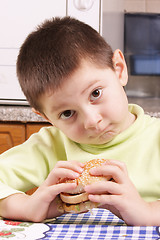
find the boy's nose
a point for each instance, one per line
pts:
(92, 120)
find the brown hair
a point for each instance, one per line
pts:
(53, 51)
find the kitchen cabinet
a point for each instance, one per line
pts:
(13, 134)
(34, 127)
(18, 18)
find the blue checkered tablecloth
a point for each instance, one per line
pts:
(99, 224)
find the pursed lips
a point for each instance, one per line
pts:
(100, 133)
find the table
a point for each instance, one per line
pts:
(99, 224)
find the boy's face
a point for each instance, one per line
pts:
(91, 106)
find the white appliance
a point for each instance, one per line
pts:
(18, 18)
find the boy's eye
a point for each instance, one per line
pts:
(96, 94)
(67, 114)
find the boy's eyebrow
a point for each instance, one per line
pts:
(57, 107)
(89, 85)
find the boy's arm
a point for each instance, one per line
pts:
(121, 197)
(12, 207)
(148, 217)
(155, 210)
(20, 207)
(44, 202)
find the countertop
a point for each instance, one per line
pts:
(151, 106)
(25, 114)
(18, 114)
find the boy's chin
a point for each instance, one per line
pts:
(96, 142)
(103, 139)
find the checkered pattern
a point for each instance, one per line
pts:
(98, 225)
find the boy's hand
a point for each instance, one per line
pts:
(44, 199)
(43, 203)
(120, 195)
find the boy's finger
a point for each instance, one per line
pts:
(59, 173)
(108, 187)
(104, 199)
(109, 170)
(73, 165)
(62, 187)
(119, 164)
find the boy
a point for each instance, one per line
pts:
(72, 78)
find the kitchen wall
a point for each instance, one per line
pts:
(152, 6)
(113, 23)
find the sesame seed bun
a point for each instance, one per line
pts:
(76, 201)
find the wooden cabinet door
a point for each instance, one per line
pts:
(34, 127)
(11, 135)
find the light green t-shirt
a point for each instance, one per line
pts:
(28, 165)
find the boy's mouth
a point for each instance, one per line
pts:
(103, 134)
(107, 134)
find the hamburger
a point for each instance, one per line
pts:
(76, 201)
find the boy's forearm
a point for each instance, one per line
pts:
(13, 207)
(155, 213)
(22, 207)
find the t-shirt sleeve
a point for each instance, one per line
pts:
(28, 165)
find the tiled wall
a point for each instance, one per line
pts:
(152, 6)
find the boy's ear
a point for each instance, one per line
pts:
(120, 67)
(41, 114)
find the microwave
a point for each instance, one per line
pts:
(20, 17)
